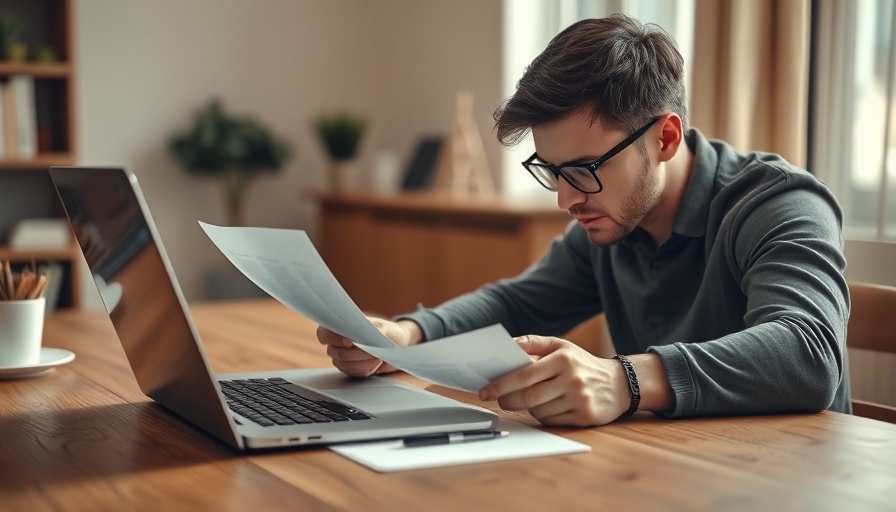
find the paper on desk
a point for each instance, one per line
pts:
(523, 442)
(285, 264)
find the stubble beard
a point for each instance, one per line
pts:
(642, 200)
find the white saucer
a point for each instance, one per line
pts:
(49, 357)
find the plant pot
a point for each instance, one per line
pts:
(344, 175)
(17, 52)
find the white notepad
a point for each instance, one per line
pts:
(523, 442)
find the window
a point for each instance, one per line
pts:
(853, 146)
(530, 24)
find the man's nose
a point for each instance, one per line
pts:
(567, 195)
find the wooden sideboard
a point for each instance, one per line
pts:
(391, 252)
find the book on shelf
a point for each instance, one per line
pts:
(32, 234)
(55, 275)
(25, 115)
(8, 120)
(2, 122)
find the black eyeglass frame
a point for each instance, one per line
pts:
(592, 167)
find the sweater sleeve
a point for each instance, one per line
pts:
(787, 248)
(549, 298)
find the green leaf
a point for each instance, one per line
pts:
(340, 134)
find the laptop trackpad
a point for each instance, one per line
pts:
(388, 398)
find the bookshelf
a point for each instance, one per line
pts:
(25, 188)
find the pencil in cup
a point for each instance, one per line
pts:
(26, 285)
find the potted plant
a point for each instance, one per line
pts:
(340, 134)
(10, 33)
(234, 149)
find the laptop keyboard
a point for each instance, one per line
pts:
(277, 401)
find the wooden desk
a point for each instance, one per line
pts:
(85, 438)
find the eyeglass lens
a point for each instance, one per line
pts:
(579, 177)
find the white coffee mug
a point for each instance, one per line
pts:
(21, 332)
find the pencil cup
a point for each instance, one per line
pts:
(21, 331)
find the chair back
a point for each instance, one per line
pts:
(872, 326)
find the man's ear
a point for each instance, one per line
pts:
(671, 136)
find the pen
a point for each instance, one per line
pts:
(452, 438)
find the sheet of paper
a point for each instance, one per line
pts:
(465, 361)
(285, 264)
(523, 442)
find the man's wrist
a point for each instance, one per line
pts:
(656, 393)
(412, 330)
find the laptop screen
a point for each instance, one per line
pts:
(137, 285)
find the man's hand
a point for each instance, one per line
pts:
(565, 385)
(353, 361)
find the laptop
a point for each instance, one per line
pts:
(111, 221)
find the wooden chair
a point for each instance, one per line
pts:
(872, 326)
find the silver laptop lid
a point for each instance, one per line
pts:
(116, 233)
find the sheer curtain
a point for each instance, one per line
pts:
(854, 112)
(530, 24)
(752, 85)
(853, 149)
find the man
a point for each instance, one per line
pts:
(720, 274)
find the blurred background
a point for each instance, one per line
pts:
(146, 67)
(810, 79)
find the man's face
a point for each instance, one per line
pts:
(632, 186)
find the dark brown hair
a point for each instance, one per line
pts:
(626, 73)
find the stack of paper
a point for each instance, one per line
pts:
(31, 234)
(523, 442)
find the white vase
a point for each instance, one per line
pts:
(384, 172)
(344, 175)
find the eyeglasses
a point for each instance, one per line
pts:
(582, 177)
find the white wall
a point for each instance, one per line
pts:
(429, 49)
(144, 68)
(871, 262)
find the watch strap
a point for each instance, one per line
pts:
(633, 387)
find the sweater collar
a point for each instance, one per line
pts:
(694, 208)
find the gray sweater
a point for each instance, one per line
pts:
(746, 303)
